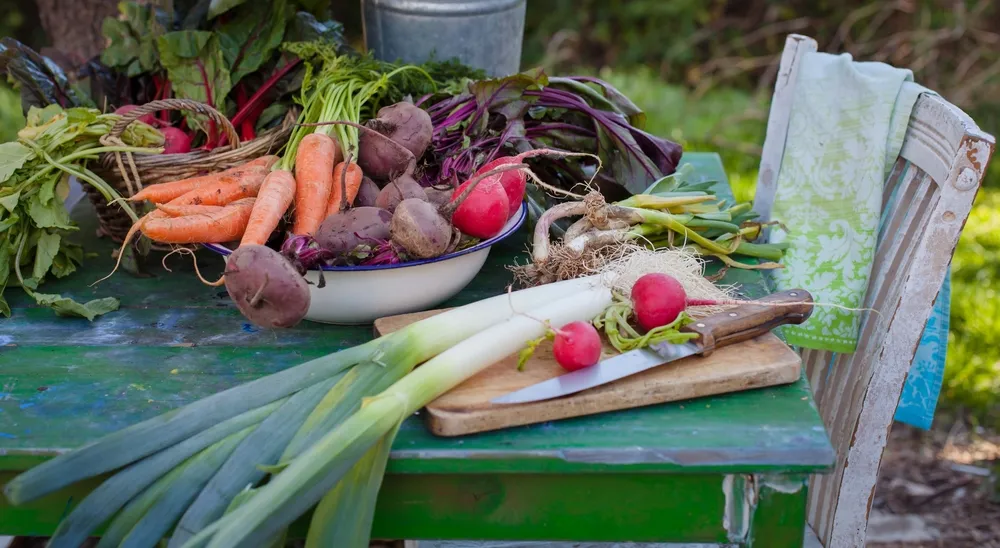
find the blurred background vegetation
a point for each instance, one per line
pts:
(704, 69)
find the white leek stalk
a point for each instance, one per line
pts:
(318, 469)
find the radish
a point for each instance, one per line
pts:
(149, 119)
(577, 345)
(484, 211)
(175, 141)
(513, 182)
(658, 299)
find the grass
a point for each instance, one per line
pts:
(733, 122)
(11, 119)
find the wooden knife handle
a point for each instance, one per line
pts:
(750, 320)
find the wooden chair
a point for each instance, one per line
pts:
(935, 180)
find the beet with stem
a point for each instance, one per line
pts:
(406, 124)
(399, 189)
(367, 193)
(266, 287)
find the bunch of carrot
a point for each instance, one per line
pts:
(248, 201)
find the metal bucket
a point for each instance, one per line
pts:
(484, 34)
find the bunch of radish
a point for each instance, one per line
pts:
(175, 140)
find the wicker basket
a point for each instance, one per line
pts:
(129, 173)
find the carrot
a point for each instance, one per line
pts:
(275, 195)
(177, 210)
(353, 184)
(228, 189)
(164, 192)
(313, 181)
(225, 225)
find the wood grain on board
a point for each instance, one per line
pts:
(466, 409)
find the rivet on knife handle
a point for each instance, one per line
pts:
(750, 320)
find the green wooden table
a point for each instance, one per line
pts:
(729, 469)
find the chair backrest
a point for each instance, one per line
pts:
(926, 202)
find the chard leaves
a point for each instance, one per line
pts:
(197, 69)
(132, 38)
(250, 38)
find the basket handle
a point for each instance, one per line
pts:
(177, 104)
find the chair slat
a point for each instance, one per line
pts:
(926, 200)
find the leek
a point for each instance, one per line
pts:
(318, 469)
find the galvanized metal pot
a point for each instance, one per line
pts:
(484, 34)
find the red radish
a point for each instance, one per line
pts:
(484, 211)
(175, 141)
(514, 182)
(657, 299)
(146, 118)
(577, 345)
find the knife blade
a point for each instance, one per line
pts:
(738, 324)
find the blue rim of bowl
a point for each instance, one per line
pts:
(522, 215)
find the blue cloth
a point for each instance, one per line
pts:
(923, 384)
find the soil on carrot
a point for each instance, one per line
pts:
(938, 489)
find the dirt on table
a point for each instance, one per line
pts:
(938, 489)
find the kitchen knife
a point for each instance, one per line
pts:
(738, 324)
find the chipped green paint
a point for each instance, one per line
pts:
(64, 382)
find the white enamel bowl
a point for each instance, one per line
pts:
(355, 295)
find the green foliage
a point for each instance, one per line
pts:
(972, 378)
(11, 117)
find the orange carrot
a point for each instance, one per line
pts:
(224, 225)
(164, 192)
(313, 181)
(353, 184)
(275, 195)
(177, 210)
(228, 189)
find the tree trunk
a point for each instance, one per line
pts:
(74, 26)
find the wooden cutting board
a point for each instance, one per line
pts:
(466, 409)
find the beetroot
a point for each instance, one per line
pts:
(439, 195)
(266, 287)
(382, 158)
(149, 119)
(367, 193)
(484, 212)
(406, 124)
(175, 141)
(399, 189)
(576, 345)
(419, 229)
(345, 230)
(514, 182)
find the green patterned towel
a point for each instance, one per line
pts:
(846, 127)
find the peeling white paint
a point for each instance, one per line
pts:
(740, 495)
(781, 484)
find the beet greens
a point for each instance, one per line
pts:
(530, 111)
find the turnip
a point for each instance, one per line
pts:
(266, 287)
(406, 124)
(175, 141)
(399, 189)
(576, 345)
(367, 193)
(343, 231)
(149, 119)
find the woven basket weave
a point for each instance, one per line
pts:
(129, 173)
